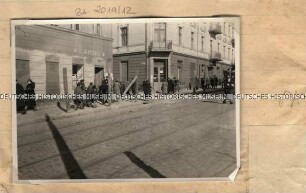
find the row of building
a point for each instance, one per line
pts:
(153, 51)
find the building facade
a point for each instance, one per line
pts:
(49, 53)
(158, 51)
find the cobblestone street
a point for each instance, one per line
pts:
(165, 139)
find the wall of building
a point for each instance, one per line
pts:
(136, 64)
(43, 43)
(136, 38)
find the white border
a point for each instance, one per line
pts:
(235, 20)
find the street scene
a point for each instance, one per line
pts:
(129, 135)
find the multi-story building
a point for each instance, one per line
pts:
(44, 51)
(158, 51)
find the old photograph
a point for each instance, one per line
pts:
(122, 99)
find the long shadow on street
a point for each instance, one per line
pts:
(73, 169)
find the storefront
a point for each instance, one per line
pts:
(42, 53)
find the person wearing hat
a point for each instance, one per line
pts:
(30, 91)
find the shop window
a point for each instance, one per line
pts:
(77, 74)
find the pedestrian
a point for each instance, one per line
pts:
(116, 89)
(215, 81)
(94, 92)
(228, 86)
(194, 84)
(170, 86)
(79, 101)
(20, 102)
(165, 87)
(104, 90)
(146, 87)
(88, 93)
(122, 87)
(175, 85)
(30, 91)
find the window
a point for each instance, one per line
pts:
(98, 30)
(229, 30)
(202, 43)
(124, 36)
(211, 48)
(179, 70)
(218, 47)
(223, 51)
(229, 53)
(77, 26)
(192, 39)
(180, 35)
(160, 32)
(224, 28)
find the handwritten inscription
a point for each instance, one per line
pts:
(120, 10)
(292, 101)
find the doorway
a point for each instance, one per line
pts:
(99, 75)
(160, 73)
(52, 78)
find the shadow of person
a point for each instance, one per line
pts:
(73, 169)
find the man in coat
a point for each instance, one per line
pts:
(20, 103)
(228, 86)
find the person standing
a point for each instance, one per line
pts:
(227, 88)
(30, 91)
(116, 89)
(165, 87)
(216, 81)
(88, 95)
(78, 92)
(146, 87)
(20, 103)
(170, 86)
(104, 90)
(94, 92)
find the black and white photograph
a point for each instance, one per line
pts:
(126, 99)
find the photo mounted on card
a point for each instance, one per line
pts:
(105, 100)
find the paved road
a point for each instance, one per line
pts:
(175, 139)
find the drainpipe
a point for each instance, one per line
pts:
(198, 54)
(146, 49)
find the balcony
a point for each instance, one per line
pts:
(160, 45)
(215, 29)
(215, 56)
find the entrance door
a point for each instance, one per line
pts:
(22, 71)
(192, 73)
(52, 78)
(159, 74)
(99, 74)
(124, 73)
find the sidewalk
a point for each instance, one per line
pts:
(56, 109)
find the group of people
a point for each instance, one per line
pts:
(25, 97)
(103, 90)
(171, 86)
